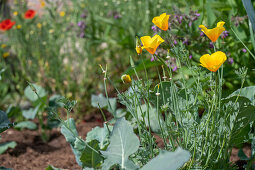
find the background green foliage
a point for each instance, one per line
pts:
(49, 51)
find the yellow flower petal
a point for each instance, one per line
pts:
(139, 50)
(126, 78)
(18, 27)
(161, 21)
(220, 24)
(6, 54)
(15, 13)
(62, 13)
(3, 45)
(213, 34)
(214, 61)
(151, 44)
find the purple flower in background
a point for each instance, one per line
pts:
(185, 42)
(211, 45)
(190, 57)
(202, 34)
(84, 14)
(153, 57)
(224, 34)
(175, 42)
(190, 23)
(82, 35)
(244, 50)
(117, 16)
(82, 25)
(179, 18)
(156, 52)
(197, 14)
(154, 28)
(174, 67)
(230, 60)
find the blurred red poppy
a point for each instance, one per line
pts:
(30, 14)
(6, 24)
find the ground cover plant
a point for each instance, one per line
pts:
(182, 79)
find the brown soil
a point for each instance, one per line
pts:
(32, 153)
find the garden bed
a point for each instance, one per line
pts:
(32, 153)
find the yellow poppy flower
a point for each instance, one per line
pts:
(42, 3)
(6, 54)
(214, 61)
(139, 49)
(62, 13)
(39, 25)
(161, 21)
(213, 34)
(15, 13)
(3, 45)
(151, 44)
(18, 27)
(126, 78)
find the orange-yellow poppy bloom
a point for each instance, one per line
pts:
(161, 21)
(139, 49)
(213, 34)
(214, 61)
(126, 78)
(151, 43)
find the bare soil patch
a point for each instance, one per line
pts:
(32, 153)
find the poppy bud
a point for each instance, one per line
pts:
(126, 78)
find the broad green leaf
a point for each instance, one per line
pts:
(30, 113)
(242, 125)
(103, 103)
(99, 100)
(14, 111)
(70, 133)
(1, 71)
(55, 101)
(99, 134)
(79, 144)
(250, 12)
(4, 122)
(168, 160)
(3, 168)
(123, 143)
(242, 155)
(247, 92)
(6, 145)
(26, 124)
(211, 18)
(153, 115)
(31, 95)
(50, 167)
(90, 158)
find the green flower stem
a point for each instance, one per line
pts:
(194, 152)
(222, 146)
(162, 132)
(173, 96)
(105, 120)
(148, 112)
(105, 89)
